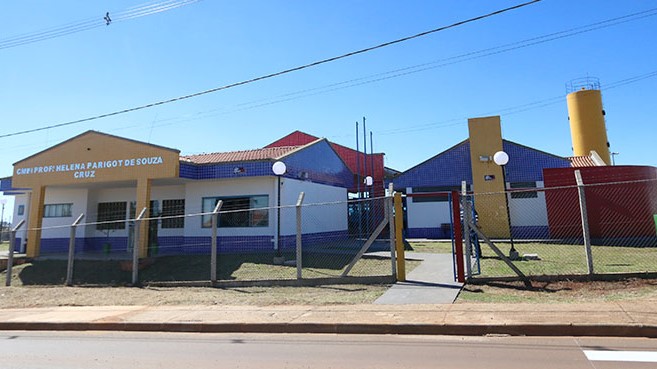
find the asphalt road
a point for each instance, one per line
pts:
(89, 350)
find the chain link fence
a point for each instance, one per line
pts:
(571, 230)
(233, 244)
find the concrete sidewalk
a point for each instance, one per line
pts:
(431, 282)
(626, 319)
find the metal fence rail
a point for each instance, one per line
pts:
(584, 229)
(304, 243)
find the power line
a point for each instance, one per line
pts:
(514, 109)
(91, 23)
(460, 121)
(400, 72)
(272, 75)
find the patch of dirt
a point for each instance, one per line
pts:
(44, 296)
(561, 291)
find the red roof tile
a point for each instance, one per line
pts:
(581, 161)
(236, 156)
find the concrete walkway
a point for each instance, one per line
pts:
(431, 282)
(620, 319)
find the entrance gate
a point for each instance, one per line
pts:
(442, 206)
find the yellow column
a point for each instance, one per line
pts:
(487, 177)
(399, 239)
(143, 201)
(35, 222)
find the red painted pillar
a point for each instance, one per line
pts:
(458, 237)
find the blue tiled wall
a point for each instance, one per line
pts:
(431, 233)
(319, 161)
(527, 164)
(451, 167)
(519, 233)
(5, 184)
(448, 168)
(179, 245)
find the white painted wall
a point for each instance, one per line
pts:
(315, 218)
(426, 214)
(22, 232)
(324, 218)
(196, 191)
(60, 227)
(529, 212)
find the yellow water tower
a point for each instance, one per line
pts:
(587, 118)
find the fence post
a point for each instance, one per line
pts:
(388, 213)
(585, 220)
(135, 248)
(399, 237)
(10, 257)
(71, 251)
(299, 240)
(467, 214)
(458, 236)
(213, 251)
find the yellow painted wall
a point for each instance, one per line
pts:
(587, 124)
(93, 157)
(485, 141)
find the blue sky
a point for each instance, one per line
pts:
(414, 116)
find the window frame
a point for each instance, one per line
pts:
(173, 211)
(523, 194)
(58, 210)
(436, 198)
(113, 217)
(256, 217)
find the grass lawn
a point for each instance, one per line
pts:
(4, 246)
(435, 247)
(235, 267)
(559, 259)
(555, 259)
(40, 283)
(560, 292)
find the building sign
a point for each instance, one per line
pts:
(89, 169)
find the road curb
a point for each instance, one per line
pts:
(585, 330)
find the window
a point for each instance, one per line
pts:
(254, 212)
(173, 208)
(523, 194)
(21, 210)
(111, 212)
(434, 198)
(57, 210)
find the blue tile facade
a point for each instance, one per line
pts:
(527, 164)
(317, 163)
(452, 166)
(448, 168)
(180, 245)
(5, 184)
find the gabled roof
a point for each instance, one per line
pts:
(268, 153)
(264, 154)
(301, 138)
(464, 142)
(92, 132)
(295, 138)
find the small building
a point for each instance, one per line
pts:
(621, 203)
(110, 179)
(359, 163)
(429, 215)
